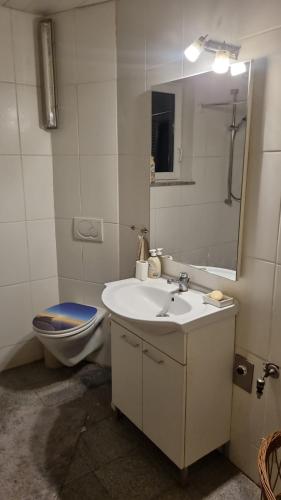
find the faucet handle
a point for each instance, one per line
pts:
(184, 276)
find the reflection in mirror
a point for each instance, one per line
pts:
(198, 141)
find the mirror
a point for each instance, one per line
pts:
(198, 148)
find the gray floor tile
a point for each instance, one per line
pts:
(108, 440)
(87, 488)
(135, 476)
(60, 392)
(91, 375)
(38, 444)
(97, 403)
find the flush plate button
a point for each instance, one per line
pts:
(243, 372)
(88, 229)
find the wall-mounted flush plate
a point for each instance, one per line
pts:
(88, 229)
(243, 372)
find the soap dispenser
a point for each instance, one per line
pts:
(154, 264)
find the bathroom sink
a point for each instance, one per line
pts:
(158, 304)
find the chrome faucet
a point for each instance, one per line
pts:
(182, 281)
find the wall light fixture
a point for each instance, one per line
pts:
(224, 53)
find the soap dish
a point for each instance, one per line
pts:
(226, 301)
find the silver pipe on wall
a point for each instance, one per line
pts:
(49, 100)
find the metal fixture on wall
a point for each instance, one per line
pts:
(270, 370)
(224, 53)
(243, 372)
(49, 101)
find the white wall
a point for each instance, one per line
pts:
(151, 36)
(85, 150)
(28, 264)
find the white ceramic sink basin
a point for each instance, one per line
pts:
(155, 302)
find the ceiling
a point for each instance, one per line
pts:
(46, 6)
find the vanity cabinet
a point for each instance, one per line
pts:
(126, 351)
(181, 401)
(163, 410)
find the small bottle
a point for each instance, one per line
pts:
(154, 265)
(159, 252)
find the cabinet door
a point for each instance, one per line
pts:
(164, 383)
(126, 356)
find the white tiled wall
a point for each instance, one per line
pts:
(28, 263)
(152, 51)
(85, 150)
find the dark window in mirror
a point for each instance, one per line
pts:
(163, 124)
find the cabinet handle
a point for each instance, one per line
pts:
(158, 361)
(133, 344)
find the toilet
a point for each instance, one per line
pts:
(70, 331)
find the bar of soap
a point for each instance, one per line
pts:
(216, 295)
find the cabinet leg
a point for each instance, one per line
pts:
(184, 477)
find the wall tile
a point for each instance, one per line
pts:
(95, 43)
(169, 229)
(67, 186)
(69, 251)
(71, 290)
(25, 28)
(164, 73)
(92, 294)
(44, 293)
(42, 249)
(278, 257)
(134, 190)
(131, 39)
(38, 187)
(128, 252)
(263, 207)
(101, 259)
(164, 39)
(245, 455)
(166, 196)
(255, 299)
(11, 189)
(13, 253)
(275, 340)
(263, 19)
(9, 133)
(133, 117)
(65, 138)
(272, 105)
(97, 111)
(247, 410)
(65, 47)
(20, 354)
(6, 47)
(99, 187)
(34, 140)
(15, 327)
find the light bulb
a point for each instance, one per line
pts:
(193, 51)
(238, 68)
(221, 62)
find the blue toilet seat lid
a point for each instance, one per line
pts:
(64, 317)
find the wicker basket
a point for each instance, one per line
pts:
(269, 465)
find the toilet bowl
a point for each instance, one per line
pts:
(70, 331)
